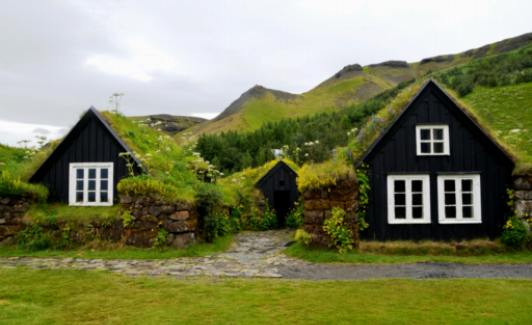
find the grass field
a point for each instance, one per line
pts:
(91, 297)
(329, 256)
(108, 252)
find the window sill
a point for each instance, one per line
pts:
(99, 204)
(458, 222)
(409, 222)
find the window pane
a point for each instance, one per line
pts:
(92, 173)
(103, 185)
(79, 173)
(438, 147)
(79, 196)
(104, 173)
(399, 186)
(448, 185)
(400, 213)
(92, 196)
(450, 199)
(103, 197)
(79, 185)
(400, 199)
(92, 185)
(417, 186)
(417, 199)
(467, 198)
(417, 212)
(425, 134)
(467, 212)
(425, 147)
(467, 185)
(450, 212)
(437, 134)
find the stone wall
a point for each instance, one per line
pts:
(318, 204)
(12, 211)
(523, 196)
(148, 217)
(149, 214)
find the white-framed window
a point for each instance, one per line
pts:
(408, 199)
(459, 199)
(432, 140)
(91, 183)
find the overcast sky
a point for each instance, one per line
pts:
(57, 58)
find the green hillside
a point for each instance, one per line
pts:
(350, 86)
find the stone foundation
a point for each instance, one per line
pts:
(318, 204)
(523, 196)
(150, 215)
(12, 211)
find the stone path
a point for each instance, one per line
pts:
(259, 254)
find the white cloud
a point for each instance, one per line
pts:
(12, 133)
(142, 61)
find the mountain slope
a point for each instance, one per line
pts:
(351, 85)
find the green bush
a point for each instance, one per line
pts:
(213, 222)
(269, 219)
(514, 233)
(161, 239)
(33, 238)
(303, 237)
(335, 227)
(235, 217)
(294, 219)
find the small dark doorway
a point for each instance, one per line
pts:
(282, 204)
(280, 189)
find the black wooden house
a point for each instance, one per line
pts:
(435, 174)
(85, 167)
(279, 186)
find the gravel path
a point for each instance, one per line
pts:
(259, 254)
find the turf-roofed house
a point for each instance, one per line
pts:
(86, 166)
(436, 174)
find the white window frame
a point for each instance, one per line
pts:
(432, 141)
(86, 166)
(425, 179)
(476, 200)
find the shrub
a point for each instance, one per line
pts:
(335, 227)
(514, 233)
(269, 219)
(235, 220)
(161, 239)
(363, 197)
(213, 222)
(33, 238)
(303, 237)
(294, 219)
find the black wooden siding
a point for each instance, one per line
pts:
(470, 152)
(89, 141)
(280, 178)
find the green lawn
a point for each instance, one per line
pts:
(128, 252)
(329, 256)
(73, 297)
